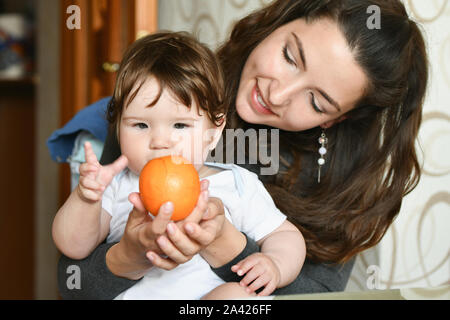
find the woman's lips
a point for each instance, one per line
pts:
(257, 102)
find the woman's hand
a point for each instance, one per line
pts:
(186, 238)
(145, 239)
(127, 258)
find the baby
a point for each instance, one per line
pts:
(168, 101)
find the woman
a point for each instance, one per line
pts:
(318, 72)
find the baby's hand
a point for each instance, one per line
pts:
(94, 178)
(260, 271)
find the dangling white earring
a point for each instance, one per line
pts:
(323, 140)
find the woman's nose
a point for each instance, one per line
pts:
(281, 93)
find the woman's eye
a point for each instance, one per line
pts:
(287, 56)
(314, 105)
(140, 125)
(180, 126)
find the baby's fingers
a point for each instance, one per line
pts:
(88, 195)
(91, 184)
(89, 153)
(269, 289)
(108, 172)
(118, 165)
(88, 169)
(252, 275)
(243, 266)
(263, 280)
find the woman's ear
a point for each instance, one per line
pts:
(331, 123)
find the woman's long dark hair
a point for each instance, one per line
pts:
(372, 161)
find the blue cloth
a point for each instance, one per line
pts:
(91, 119)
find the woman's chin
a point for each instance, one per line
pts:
(247, 114)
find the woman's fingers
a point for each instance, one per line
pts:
(200, 209)
(204, 185)
(204, 234)
(158, 261)
(181, 241)
(170, 237)
(136, 201)
(202, 203)
(208, 229)
(161, 221)
(138, 215)
(215, 208)
(171, 251)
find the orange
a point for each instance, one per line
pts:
(170, 178)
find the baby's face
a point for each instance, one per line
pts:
(167, 128)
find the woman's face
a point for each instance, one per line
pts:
(301, 76)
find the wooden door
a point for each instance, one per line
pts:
(90, 54)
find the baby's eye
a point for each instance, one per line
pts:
(140, 125)
(180, 126)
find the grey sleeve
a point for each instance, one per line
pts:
(225, 272)
(319, 277)
(314, 277)
(90, 278)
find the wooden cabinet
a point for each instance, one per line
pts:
(17, 129)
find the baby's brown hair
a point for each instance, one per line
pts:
(181, 64)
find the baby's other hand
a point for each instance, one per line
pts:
(94, 178)
(260, 271)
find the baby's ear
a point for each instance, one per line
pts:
(215, 134)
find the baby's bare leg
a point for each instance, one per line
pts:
(229, 290)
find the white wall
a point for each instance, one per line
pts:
(209, 20)
(415, 251)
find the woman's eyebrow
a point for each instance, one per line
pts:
(300, 50)
(302, 57)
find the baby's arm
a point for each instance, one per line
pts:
(282, 255)
(81, 224)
